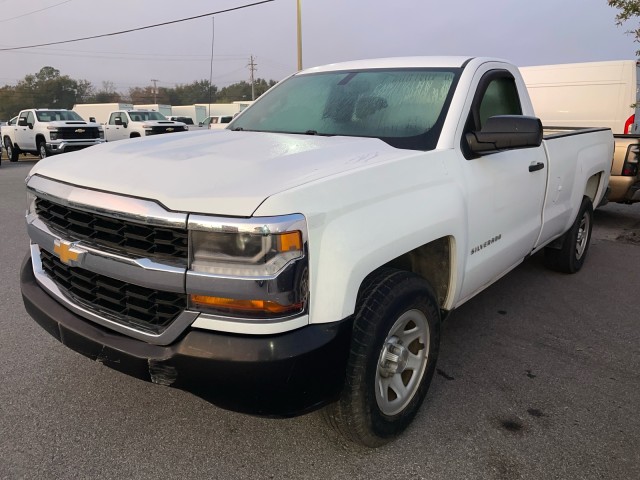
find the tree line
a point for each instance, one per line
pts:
(50, 89)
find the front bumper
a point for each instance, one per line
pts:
(274, 375)
(61, 147)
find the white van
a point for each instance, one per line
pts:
(590, 94)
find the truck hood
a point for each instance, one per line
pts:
(214, 172)
(71, 123)
(160, 122)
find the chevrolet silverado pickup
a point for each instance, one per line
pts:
(44, 132)
(124, 124)
(306, 256)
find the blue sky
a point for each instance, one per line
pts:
(524, 32)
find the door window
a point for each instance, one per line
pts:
(500, 98)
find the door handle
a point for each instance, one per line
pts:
(534, 167)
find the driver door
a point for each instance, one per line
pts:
(505, 190)
(25, 135)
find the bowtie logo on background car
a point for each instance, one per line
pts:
(80, 130)
(170, 129)
(68, 253)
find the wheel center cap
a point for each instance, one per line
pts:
(393, 358)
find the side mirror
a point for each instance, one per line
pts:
(30, 125)
(505, 132)
(124, 124)
(117, 121)
(92, 119)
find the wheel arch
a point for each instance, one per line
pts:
(432, 261)
(595, 187)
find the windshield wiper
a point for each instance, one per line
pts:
(315, 132)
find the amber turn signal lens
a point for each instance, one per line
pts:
(289, 241)
(245, 305)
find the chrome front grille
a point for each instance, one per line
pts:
(117, 234)
(136, 307)
(158, 130)
(78, 133)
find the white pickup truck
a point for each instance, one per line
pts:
(44, 132)
(124, 124)
(306, 255)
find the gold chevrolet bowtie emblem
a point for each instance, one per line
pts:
(79, 130)
(170, 129)
(67, 253)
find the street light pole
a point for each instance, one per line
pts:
(155, 90)
(299, 37)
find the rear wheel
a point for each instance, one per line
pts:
(575, 243)
(42, 149)
(394, 349)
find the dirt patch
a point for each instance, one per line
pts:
(630, 235)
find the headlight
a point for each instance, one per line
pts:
(243, 254)
(101, 134)
(248, 268)
(31, 203)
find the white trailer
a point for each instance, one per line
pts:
(590, 94)
(99, 111)
(197, 112)
(158, 107)
(219, 109)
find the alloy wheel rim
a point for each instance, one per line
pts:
(402, 362)
(582, 237)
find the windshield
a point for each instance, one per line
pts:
(57, 115)
(144, 116)
(405, 108)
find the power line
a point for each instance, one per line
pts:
(35, 11)
(137, 29)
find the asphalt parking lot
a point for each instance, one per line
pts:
(538, 378)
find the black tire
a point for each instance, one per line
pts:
(396, 338)
(12, 153)
(575, 243)
(42, 149)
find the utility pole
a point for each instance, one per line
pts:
(252, 68)
(155, 89)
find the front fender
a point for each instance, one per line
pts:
(362, 220)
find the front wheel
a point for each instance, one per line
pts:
(42, 149)
(575, 243)
(12, 152)
(394, 348)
